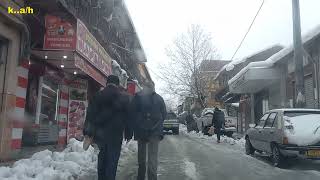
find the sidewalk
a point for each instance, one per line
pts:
(27, 152)
(71, 163)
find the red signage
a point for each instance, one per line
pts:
(131, 86)
(85, 67)
(91, 49)
(60, 34)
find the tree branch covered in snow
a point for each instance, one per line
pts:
(182, 74)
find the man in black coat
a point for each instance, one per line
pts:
(106, 120)
(218, 121)
(148, 112)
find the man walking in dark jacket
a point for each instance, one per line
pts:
(218, 122)
(106, 120)
(149, 112)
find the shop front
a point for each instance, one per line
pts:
(253, 83)
(71, 67)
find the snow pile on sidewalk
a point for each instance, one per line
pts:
(224, 139)
(303, 130)
(128, 149)
(70, 164)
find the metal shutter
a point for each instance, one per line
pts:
(308, 85)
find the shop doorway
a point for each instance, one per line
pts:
(42, 108)
(47, 110)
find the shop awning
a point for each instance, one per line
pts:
(253, 79)
(72, 62)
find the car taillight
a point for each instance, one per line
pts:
(285, 140)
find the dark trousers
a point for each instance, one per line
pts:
(108, 161)
(151, 165)
(218, 132)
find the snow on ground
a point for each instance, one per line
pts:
(128, 149)
(201, 136)
(71, 163)
(190, 169)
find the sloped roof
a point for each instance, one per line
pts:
(212, 65)
(281, 55)
(256, 56)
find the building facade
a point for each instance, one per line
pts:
(14, 54)
(239, 104)
(53, 61)
(269, 84)
(208, 71)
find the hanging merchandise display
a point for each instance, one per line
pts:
(77, 108)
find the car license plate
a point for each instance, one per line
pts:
(313, 153)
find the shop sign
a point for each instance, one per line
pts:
(77, 108)
(88, 69)
(60, 34)
(91, 49)
(131, 88)
(78, 84)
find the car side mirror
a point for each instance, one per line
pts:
(252, 125)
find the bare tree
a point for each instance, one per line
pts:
(182, 74)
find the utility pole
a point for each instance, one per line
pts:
(298, 56)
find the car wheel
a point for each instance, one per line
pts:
(276, 156)
(177, 131)
(249, 148)
(229, 134)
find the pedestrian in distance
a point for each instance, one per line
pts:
(106, 121)
(148, 112)
(218, 121)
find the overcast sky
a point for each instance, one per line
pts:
(158, 22)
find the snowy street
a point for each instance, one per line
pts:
(188, 156)
(194, 157)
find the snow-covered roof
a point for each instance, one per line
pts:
(295, 109)
(278, 56)
(213, 65)
(124, 73)
(286, 51)
(258, 64)
(115, 64)
(235, 104)
(230, 66)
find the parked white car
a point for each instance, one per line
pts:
(283, 133)
(205, 122)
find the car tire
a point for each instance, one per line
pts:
(176, 131)
(229, 134)
(248, 147)
(276, 157)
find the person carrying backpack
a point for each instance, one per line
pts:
(218, 121)
(148, 112)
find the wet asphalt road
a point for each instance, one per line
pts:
(183, 157)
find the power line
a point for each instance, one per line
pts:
(248, 30)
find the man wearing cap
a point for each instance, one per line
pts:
(106, 121)
(148, 113)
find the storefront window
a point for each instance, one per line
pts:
(49, 102)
